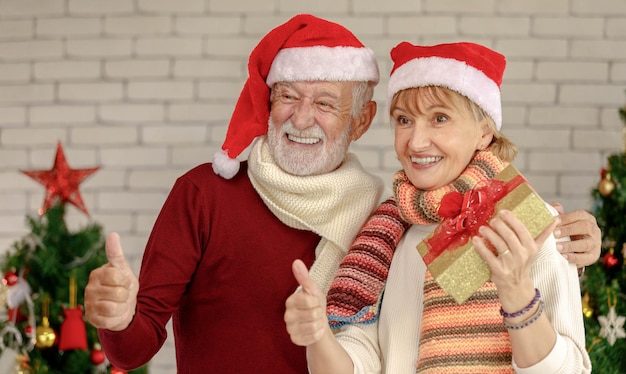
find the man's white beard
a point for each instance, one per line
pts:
(300, 160)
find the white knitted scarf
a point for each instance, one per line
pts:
(333, 205)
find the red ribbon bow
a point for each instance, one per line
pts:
(465, 213)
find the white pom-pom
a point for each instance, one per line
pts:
(225, 166)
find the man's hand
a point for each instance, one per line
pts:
(586, 237)
(111, 294)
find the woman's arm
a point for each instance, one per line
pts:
(546, 332)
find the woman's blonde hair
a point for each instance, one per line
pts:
(500, 145)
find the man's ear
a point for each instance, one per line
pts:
(361, 123)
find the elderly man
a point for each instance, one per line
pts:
(219, 257)
(218, 260)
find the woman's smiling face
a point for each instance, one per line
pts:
(436, 135)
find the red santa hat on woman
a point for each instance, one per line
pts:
(470, 69)
(305, 48)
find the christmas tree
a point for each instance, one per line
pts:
(42, 329)
(604, 283)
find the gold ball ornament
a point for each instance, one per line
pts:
(587, 310)
(606, 186)
(44, 335)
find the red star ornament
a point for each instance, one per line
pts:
(61, 182)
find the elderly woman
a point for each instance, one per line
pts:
(393, 317)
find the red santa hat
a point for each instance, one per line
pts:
(470, 69)
(305, 48)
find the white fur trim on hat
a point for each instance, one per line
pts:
(453, 74)
(321, 63)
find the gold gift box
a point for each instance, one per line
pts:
(461, 271)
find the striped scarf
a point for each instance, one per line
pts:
(462, 339)
(356, 292)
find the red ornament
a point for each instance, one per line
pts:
(16, 315)
(61, 182)
(73, 331)
(115, 370)
(97, 355)
(10, 278)
(609, 260)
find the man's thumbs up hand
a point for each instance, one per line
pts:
(111, 294)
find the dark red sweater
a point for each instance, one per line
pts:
(219, 262)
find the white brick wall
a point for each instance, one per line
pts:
(144, 88)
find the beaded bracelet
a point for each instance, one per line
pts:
(528, 321)
(523, 311)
